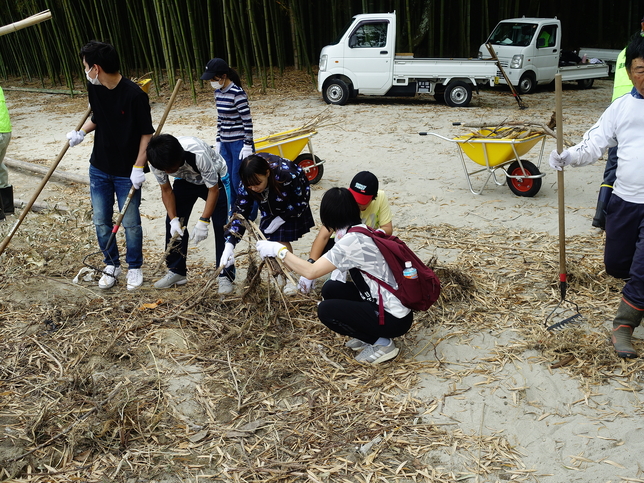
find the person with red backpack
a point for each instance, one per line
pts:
(368, 308)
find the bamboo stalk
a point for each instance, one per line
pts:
(27, 22)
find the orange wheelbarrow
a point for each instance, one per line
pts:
(289, 145)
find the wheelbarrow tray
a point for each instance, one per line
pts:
(283, 145)
(494, 152)
(289, 145)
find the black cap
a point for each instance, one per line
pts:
(364, 186)
(215, 67)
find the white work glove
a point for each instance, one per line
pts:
(558, 161)
(338, 276)
(200, 232)
(75, 137)
(269, 248)
(137, 177)
(228, 257)
(305, 285)
(274, 225)
(218, 147)
(175, 227)
(247, 150)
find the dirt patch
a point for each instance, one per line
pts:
(181, 384)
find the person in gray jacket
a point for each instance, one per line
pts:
(199, 172)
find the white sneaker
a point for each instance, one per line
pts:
(109, 276)
(225, 286)
(134, 278)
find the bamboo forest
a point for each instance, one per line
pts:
(260, 38)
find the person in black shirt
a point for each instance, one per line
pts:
(122, 126)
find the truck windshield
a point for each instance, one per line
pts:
(513, 34)
(342, 32)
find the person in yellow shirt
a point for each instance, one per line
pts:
(374, 212)
(6, 190)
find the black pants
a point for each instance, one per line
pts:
(345, 312)
(624, 251)
(186, 195)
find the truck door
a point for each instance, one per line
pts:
(368, 53)
(546, 57)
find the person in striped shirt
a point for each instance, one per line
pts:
(234, 121)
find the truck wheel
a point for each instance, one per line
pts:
(336, 91)
(585, 83)
(524, 186)
(458, 94)
(308, 162)
(527, 83)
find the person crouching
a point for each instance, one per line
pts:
(343, 310)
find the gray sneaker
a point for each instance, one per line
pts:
(375, 354)
(171, 279)
(225, 286)
(356, 344)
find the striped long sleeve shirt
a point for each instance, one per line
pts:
(234, 122)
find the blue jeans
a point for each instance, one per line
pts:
(230, 152)
(186, 195)
(103, 188)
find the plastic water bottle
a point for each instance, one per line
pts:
(409, 271)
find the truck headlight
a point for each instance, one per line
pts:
(322, 65)
(517, 61)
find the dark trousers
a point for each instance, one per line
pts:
(186, 195)
(610, 171)
(345, 312)
(624, 251)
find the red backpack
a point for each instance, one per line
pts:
(417, 293)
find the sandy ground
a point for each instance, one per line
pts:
(535, 408)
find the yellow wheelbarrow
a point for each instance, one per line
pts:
(289, 145)
(504, 154)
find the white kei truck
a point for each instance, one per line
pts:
(363, 61)
(529, 50)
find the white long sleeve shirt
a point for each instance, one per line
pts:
(622, 125)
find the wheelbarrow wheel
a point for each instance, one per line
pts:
(524, 186)
(308, 162)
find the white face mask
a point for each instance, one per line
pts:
(95, 80)
(217, 85)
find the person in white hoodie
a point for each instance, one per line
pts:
(622, 123)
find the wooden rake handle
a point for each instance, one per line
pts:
(563, 277)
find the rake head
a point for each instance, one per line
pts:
(566, 315)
